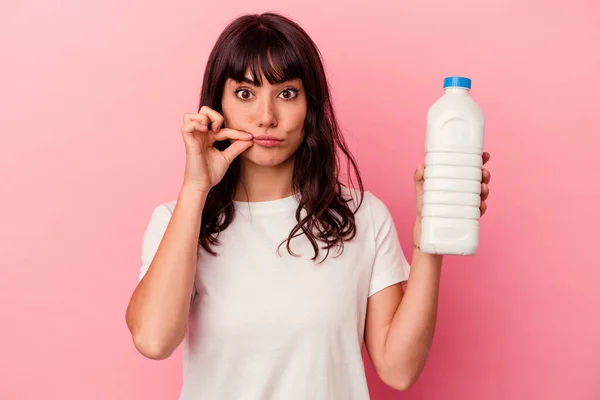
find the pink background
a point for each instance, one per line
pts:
(92, 97)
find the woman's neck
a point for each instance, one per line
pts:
(261, 183)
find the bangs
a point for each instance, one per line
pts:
(262, 51)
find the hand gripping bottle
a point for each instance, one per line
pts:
(452, 182)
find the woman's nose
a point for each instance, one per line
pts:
(266, 114)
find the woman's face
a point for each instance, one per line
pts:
(273, 114)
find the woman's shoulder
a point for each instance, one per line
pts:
(372, 216)
(364, 203)
(163, 211)
(168, 206)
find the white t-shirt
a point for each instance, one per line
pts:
(268, 326)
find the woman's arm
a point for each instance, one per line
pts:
(400, 326)
(157, 313)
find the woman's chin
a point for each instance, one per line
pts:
(269, 157)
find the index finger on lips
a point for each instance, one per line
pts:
(228, 133)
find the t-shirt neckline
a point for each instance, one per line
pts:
(283, 204)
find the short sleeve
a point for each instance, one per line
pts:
(159, 220)
(389, 265)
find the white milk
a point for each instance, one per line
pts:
(453, 161)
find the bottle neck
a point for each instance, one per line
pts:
(458, 90)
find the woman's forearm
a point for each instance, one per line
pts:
(158, 310)
(411, 332)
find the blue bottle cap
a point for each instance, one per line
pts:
(457, 81)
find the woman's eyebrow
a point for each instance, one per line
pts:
(247, 81)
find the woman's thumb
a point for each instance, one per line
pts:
(419, 173)
(236, 148)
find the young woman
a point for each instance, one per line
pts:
(267, 269)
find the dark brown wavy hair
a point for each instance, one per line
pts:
(281, 50)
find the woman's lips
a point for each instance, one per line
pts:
(267, 141)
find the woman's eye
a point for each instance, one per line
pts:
(288, 94)
(243, 94)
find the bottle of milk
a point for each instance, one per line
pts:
(453, 161)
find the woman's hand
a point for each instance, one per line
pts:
(206, 165)
(485, 191)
